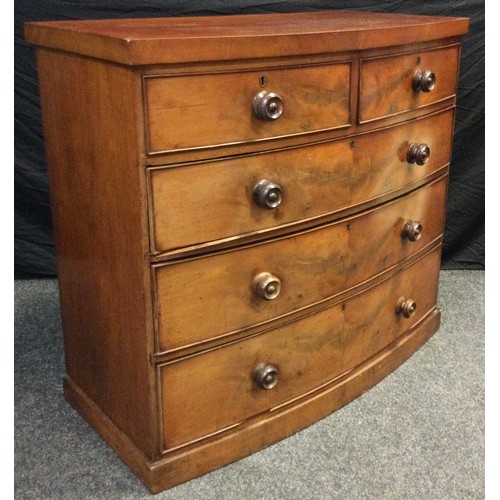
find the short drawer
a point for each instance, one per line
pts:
(395, 84)
(226, 386)
(229, 199)
(196, 111)
(217, 295)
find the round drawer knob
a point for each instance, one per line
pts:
(418, 153)
(265, 376)
(406, 307)
(267, 105)
(412, 230)
(423, 80)
(266, 286)
(268, 194)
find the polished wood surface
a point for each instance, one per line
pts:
(212, 296)
(317, 180)
(181, 111)
(153, 151)
(180, 40)
(308, 353)
(99, 212)
(386, 82)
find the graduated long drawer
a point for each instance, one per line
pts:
(218, 295)
(212, 202)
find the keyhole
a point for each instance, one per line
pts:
(262, 81)
(418, 60)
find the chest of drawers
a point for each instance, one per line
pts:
(248, 213)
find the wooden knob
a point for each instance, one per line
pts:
(268, 194)
(406, 307)
(418, 153)
(412, 230)
(266, 286)
(267, 105)
(265, 376)
(423, 80)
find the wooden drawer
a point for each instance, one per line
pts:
(218, 387)
(217, 198)
(386, 82)
(213, 296)
(193, 111)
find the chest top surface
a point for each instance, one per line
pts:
(193, 39)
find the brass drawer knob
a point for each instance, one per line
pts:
(265, 376)
(267, 105)
(266, 286)
(412, 230)
(423, 80)
(268, 194)
(406, 307)
(418, 153)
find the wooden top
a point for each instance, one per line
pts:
(191, 39)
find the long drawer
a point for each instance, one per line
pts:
(226, 386)
(220, 199)
(193, 111)
(213, 296)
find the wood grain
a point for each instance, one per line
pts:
(308, 353)
(386, 82)
(317, 180)
(185, 112)
(212, 296)
(99, 212)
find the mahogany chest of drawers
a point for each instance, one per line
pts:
(248, 214)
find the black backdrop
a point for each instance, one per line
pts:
(34, 254)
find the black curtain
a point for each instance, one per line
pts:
(34, 254)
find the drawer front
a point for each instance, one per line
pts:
(313, 181)
(217, 295)
(386, 83)
(184, 112)
(221, 388)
